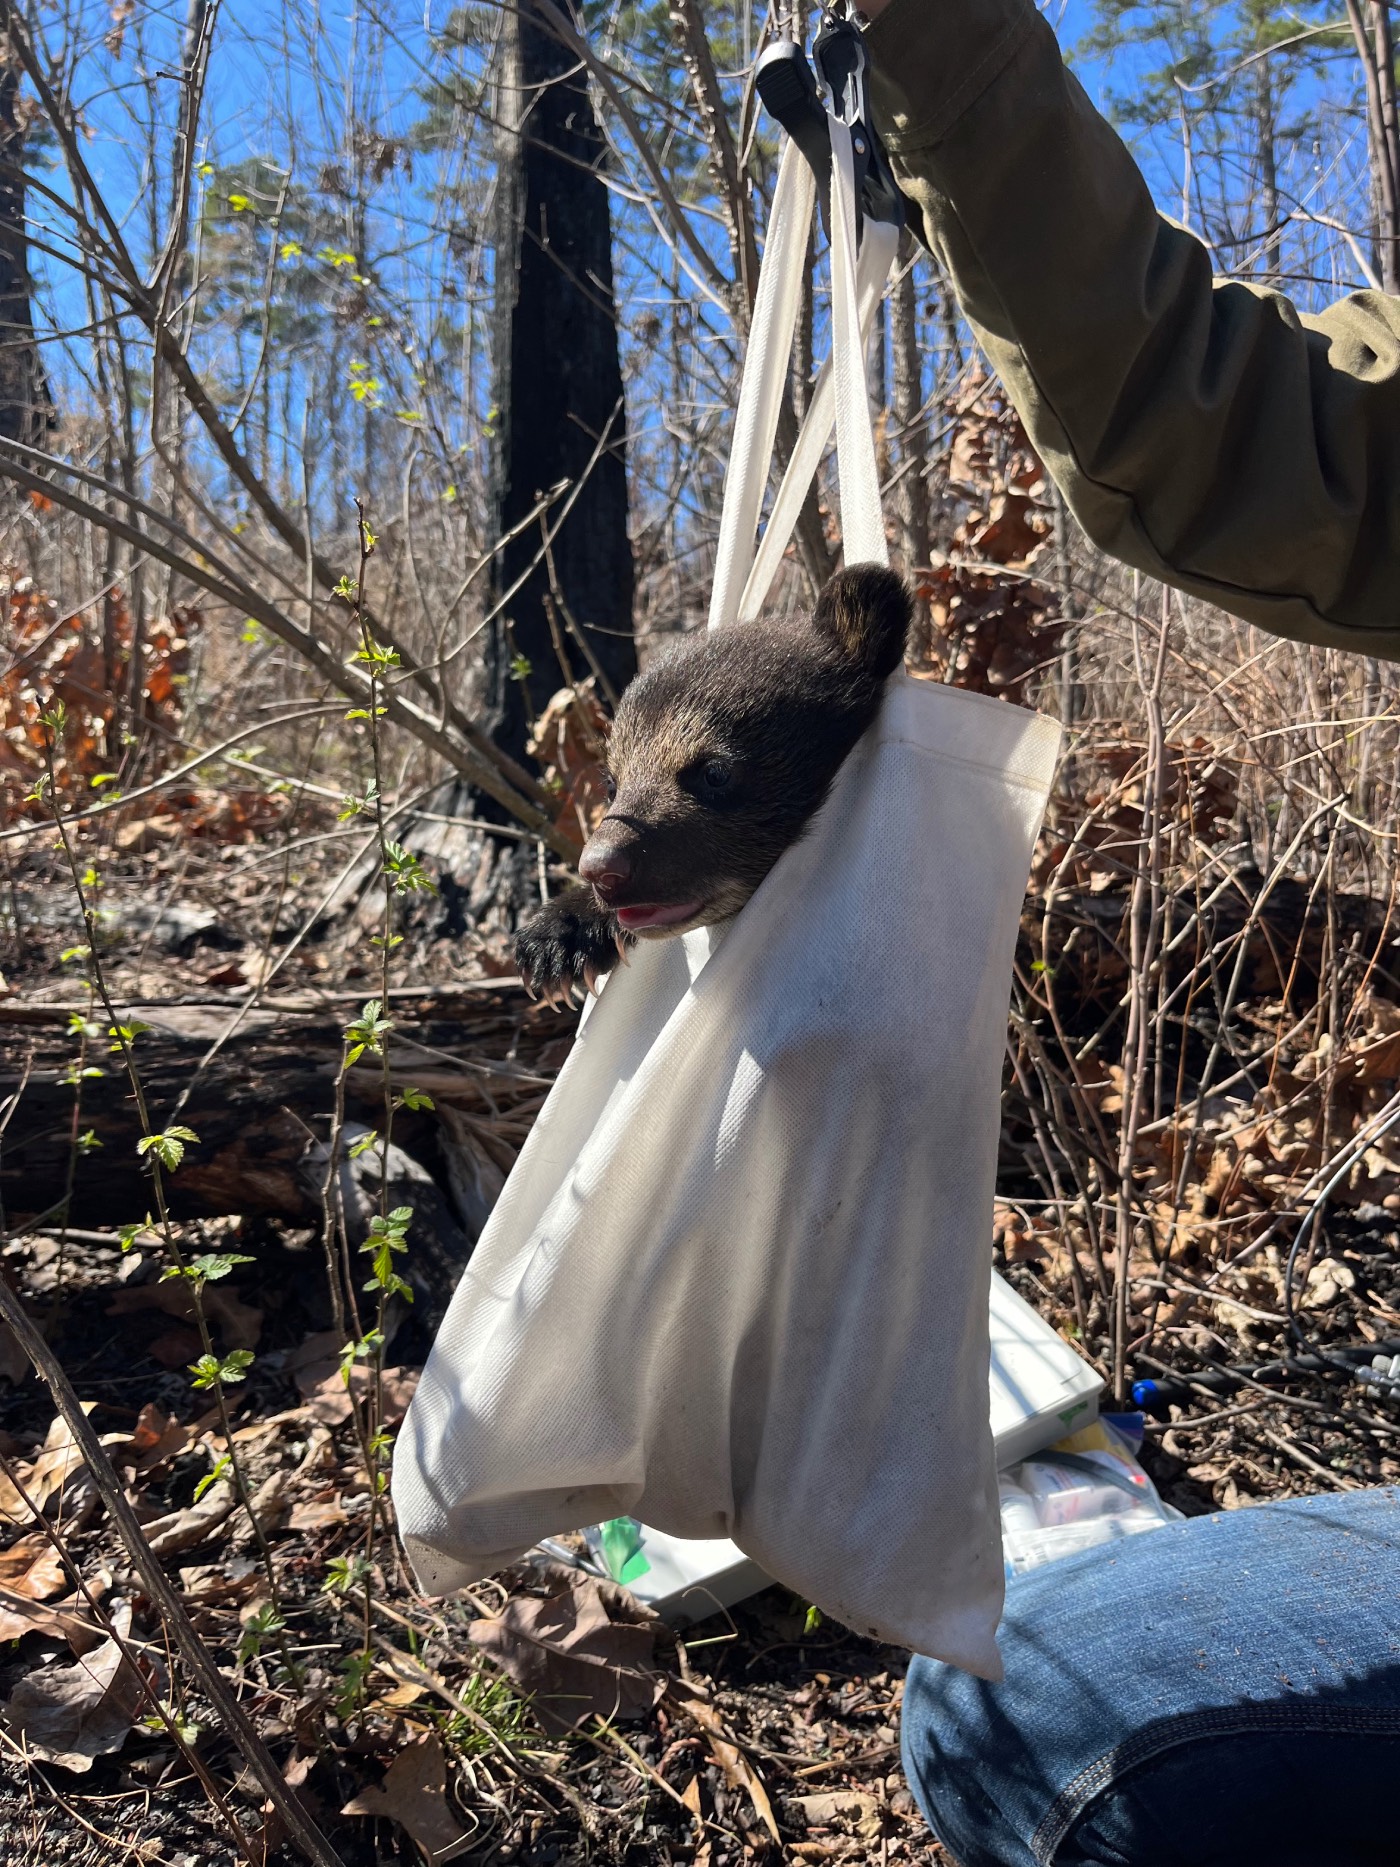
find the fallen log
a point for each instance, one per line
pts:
(262, 1103)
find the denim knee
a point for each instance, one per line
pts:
(1222, 1690)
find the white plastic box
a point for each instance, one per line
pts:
(1040, 1390)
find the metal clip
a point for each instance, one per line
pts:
(793, 93)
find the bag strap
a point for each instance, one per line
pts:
(771, 331)
(744, 575)
(858, 477)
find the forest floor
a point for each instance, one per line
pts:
(409, 1728)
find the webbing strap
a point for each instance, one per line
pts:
(744, 575)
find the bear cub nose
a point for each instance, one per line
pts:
(606, 868)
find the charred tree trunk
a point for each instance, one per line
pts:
(558, 391)
(1375, 51)
(26, 407)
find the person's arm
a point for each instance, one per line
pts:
(1206, 434)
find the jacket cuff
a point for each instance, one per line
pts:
(930, 61)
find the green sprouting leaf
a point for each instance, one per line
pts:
(387, 1236)
(405, 872)
(450, 494)
(71, 953)
(239, 203)
(216, 1473)
(185, 1729)
(75, 1075)
(290, 249)
(99, 778)
(355, 1670)
(363, 1144)
(80, 1026)
(813, 1620)
(348, 587)
(370, 1344)
(264, 1625)
(169, 1147)
(207, 1268)
(91, 878)
(344, 1573)
(204, 170)
(124, 1034)
(87, 1142)
(521, 667)
(128, 1235)
(43, 784)
(355, 806)
(209, 1371)
(253, 633)
(374, 654)
(333, 256)
(414, 1099)
(368, 1031)
(54, 717)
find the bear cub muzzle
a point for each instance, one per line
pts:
(718, 759)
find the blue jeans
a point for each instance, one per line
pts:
(1218, 1693)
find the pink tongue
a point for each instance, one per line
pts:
(631, 919)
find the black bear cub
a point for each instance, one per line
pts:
(719, 757)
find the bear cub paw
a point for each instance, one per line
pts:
(568, 946)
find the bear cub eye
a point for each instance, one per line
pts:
(717, 774)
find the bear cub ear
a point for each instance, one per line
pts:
(865, 612)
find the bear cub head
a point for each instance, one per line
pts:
(723, 751)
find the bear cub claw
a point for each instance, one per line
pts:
(568, 946)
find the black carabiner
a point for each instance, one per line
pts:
(793, 93)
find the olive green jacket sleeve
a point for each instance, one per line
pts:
(1204, 433)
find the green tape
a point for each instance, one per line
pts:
(621, 1538)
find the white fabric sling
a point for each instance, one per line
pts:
(737, 1284)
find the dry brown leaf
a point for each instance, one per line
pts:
(399, 1696)
(864, 1813)
(158, 1436)
(270, 1499)
(329, 1397)
(216, 1582)
(690, 1796)
(322, 1513)
(19, 1616)
(71, 1715)
(31, 1567)
(739, 1773)
(575, 1659)
(414, 1794)
(58, 1461)
(238, 1322)
(182, 1529)
(175, 1348)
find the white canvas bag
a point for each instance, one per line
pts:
(737, 1284)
